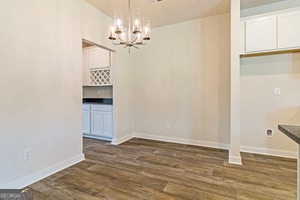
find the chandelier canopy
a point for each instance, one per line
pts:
(132, 35)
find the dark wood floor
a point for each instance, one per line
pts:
(145, 169)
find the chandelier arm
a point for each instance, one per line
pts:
(133, 41)
(115, 43)
(139, 44)
(121, 40)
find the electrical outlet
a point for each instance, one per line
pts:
(167, 125)
(27, 154)
(269, 133)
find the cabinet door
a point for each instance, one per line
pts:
(86, 122)
(289, 30)
(96, 119)
(98, 58)
(85, 68)
(107, 124)
(101, 124)
(261, 34)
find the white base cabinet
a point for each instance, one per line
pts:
(98, 121)
(101, 123)
(86, 119)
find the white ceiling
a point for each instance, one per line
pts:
(169, 12)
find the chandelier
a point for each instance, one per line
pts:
(132, 35)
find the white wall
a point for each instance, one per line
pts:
(97, 92)
(262, 109)
(123, 71)
(182, 77)
(95, 26)
(40, 84)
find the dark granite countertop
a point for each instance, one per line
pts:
(292, 132)
(107, 101)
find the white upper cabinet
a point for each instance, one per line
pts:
(276, 31)
(261, 34)
(289, 30)
(96, 67)
(98, 58)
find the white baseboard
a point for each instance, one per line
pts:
(237, 160)
(36, 176)
(122, 139)
(232, 159)
(97, 137)
(269, 152)
(183, 141)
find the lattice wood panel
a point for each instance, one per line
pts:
(100, 77)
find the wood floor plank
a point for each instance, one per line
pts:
(246, 195)
(155, 170)
(192, 193)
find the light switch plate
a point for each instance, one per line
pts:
(277, 91)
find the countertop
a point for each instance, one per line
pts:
(292, 132)
(106, 101)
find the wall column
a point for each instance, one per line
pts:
(234, 151)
